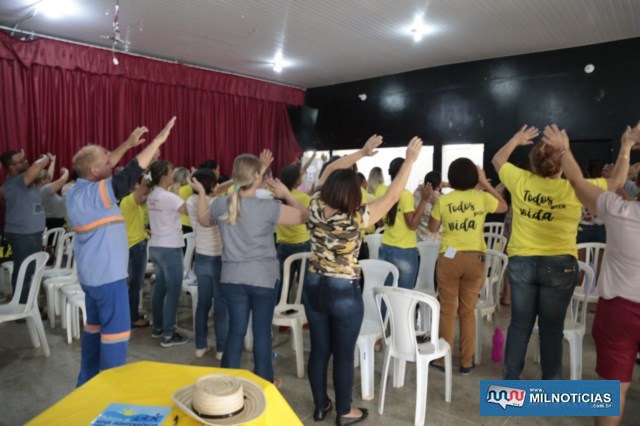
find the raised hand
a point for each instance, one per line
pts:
(426, 191)
(555, 138)
(607, 170)
(371, 145)
(135, 138)
(64, 171)
(525, 135)
(631, 137)
(164, 133)
(266, 158)
(278, 188)
(196, 185)
(413, 149)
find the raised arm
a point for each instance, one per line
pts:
(305, 166)
(413, 219)
(293, 212)
(223, 187)
(51, 171)
(57, 185)
(587, 192)
(203, 212)
(34, 170)
(620, 171)
(124, 181)
(134, 139)
(266, 158)
(524, 136)
(368, 150)
(380, 206)
(147, 154)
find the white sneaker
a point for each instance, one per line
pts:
(219, 356)
(200, 352)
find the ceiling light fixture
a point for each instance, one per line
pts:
(278, 62)
(419, 29)
(55, 9)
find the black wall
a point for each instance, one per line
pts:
(487, 101)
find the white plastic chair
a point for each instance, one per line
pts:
(64, 294)
(487, 305)
(401, 343)
(64, 257)
(425, 283)
(74, 306)
(495, 241)
(188, 286)
(494, 227)
(374, 241)
(292, 314)
(51, 237)
(375, 273)
(593, 255)
(14, 310)
(575, 323)
(52, 286)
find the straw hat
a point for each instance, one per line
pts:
(221, 400)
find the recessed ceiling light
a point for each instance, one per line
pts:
(56, 9)
(419, 28)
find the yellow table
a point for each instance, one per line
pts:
(153, 383)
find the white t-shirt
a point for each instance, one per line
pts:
(208, 240)
(164, 219)
(621, 262)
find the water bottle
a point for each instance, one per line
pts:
(497, 349)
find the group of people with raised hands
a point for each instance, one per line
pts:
(238, 265)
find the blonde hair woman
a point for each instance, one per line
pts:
(250, 268)
(376, 178)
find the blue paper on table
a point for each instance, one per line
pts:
(131, 415)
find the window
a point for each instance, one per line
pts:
(472, 151)
(422, 166)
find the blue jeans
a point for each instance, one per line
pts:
(285, 250)
(334, 309)
(23, 246)
(242, 300)
(137, 269)
(406, 260)
(207, 270)
(541, 287)
(167, 263)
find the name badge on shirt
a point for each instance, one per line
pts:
(450, 252)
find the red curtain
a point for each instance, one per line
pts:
(57, 97)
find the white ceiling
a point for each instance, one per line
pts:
(334, 41)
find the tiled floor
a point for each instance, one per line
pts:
(29, 382)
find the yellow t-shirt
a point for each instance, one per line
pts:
(462, 213)
(185, 192)
(380, 190)
(400, 235)
(294, 234)
(546, 213)
(134, 220)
